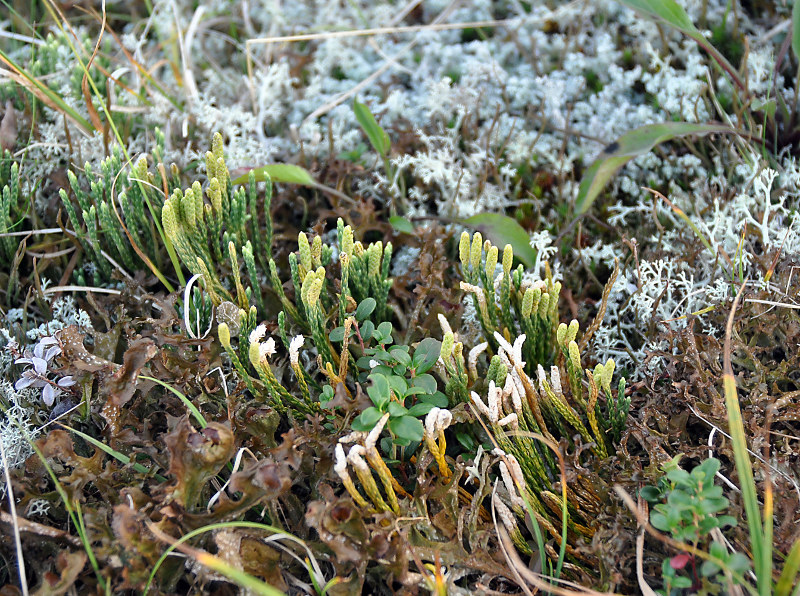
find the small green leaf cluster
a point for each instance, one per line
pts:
(400, 383)
(692, 501)
(689, 507)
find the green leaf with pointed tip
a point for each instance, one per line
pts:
(633, 144)
(376, 135)
(379, 390)
(367, 419)
(669, 12)
(796, 29)
(426, 355)
(420, 409)
(502, 230)
(401, 224)
(396, 410)
(279, 172)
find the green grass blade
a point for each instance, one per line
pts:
(502, 230)
(209, 528)
(376, 135)
(73, 514)
(279, 172)
(189, 405)
(121, 457)
(243, 579)
(669, 12)
(796, 29)
(48, 93)
(791, 568)
(743, 466)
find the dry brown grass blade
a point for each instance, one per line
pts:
(8, 127)
(87, 94)
(536, 579)
(30, 85)
(601, 312)
(643, 585)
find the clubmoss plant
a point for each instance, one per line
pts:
(113, 212)
(506, 305)
(535, 385)
(10, 209)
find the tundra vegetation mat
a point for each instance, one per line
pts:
(381, 297)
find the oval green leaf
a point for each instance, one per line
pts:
(425, 382)
(396, 410)
(379, 390)
(502, 230)
(367, 419)
(426, 355)
(420, 409)
(401, 224)
(633, 144)
(365, 308)
(406, 427)
(279, 172)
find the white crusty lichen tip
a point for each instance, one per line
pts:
(514, 352)
(372, 436)
(294, 349)
(340, 467)
(508, 481)
(542, 377)
(356, 458)
(353, 437)
(516, 399)
(430, 421)
(444, 419)
(510, 420)
(476, 399)
(437, 419)
(504, 513)
(257, 334)
(493, 399)
(266, 349)
(555, 380)
(472, 357)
